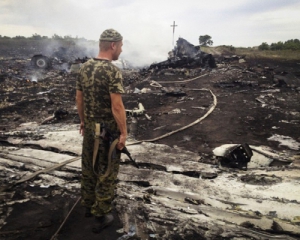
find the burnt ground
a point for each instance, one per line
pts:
(256, 99)
(238, 116)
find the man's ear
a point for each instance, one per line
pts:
(113, 45)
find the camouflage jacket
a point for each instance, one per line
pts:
(97, 79)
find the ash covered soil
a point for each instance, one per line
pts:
(256, 99)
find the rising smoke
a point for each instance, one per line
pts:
(137, 55)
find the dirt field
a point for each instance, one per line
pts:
(257, 101)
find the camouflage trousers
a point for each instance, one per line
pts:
(97, 193)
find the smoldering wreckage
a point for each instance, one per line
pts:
(216, 139)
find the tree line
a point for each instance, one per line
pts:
(39, 37)
(292, 44)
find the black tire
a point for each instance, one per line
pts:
(40, 62)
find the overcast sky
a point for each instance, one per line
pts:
(146, 25)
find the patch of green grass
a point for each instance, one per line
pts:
(280, 54)
(253, 52)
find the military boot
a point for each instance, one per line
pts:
(102, 222)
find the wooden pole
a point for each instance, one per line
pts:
(173, 30)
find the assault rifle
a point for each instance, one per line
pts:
(109, 137)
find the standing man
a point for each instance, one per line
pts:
(98, 97)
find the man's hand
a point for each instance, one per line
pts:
(122, 142)
(81, 129)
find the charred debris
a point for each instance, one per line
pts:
(186, 55)
(61, 56)
(187, 186)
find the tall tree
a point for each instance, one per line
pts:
(264, 46)
(205, 40)
(36, 36)
(57, 37)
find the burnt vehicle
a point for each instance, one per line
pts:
(60, 58)
(186, 55)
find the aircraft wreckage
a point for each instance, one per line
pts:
(189, 186)
(186, 55)
(59, 57)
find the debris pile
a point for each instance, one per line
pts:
(184, 187)
(61, 58)
(186, 55)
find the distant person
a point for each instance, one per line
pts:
(98, 96)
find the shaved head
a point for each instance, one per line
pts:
(104, 46)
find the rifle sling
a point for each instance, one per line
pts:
(96, 145)
(110, 153)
